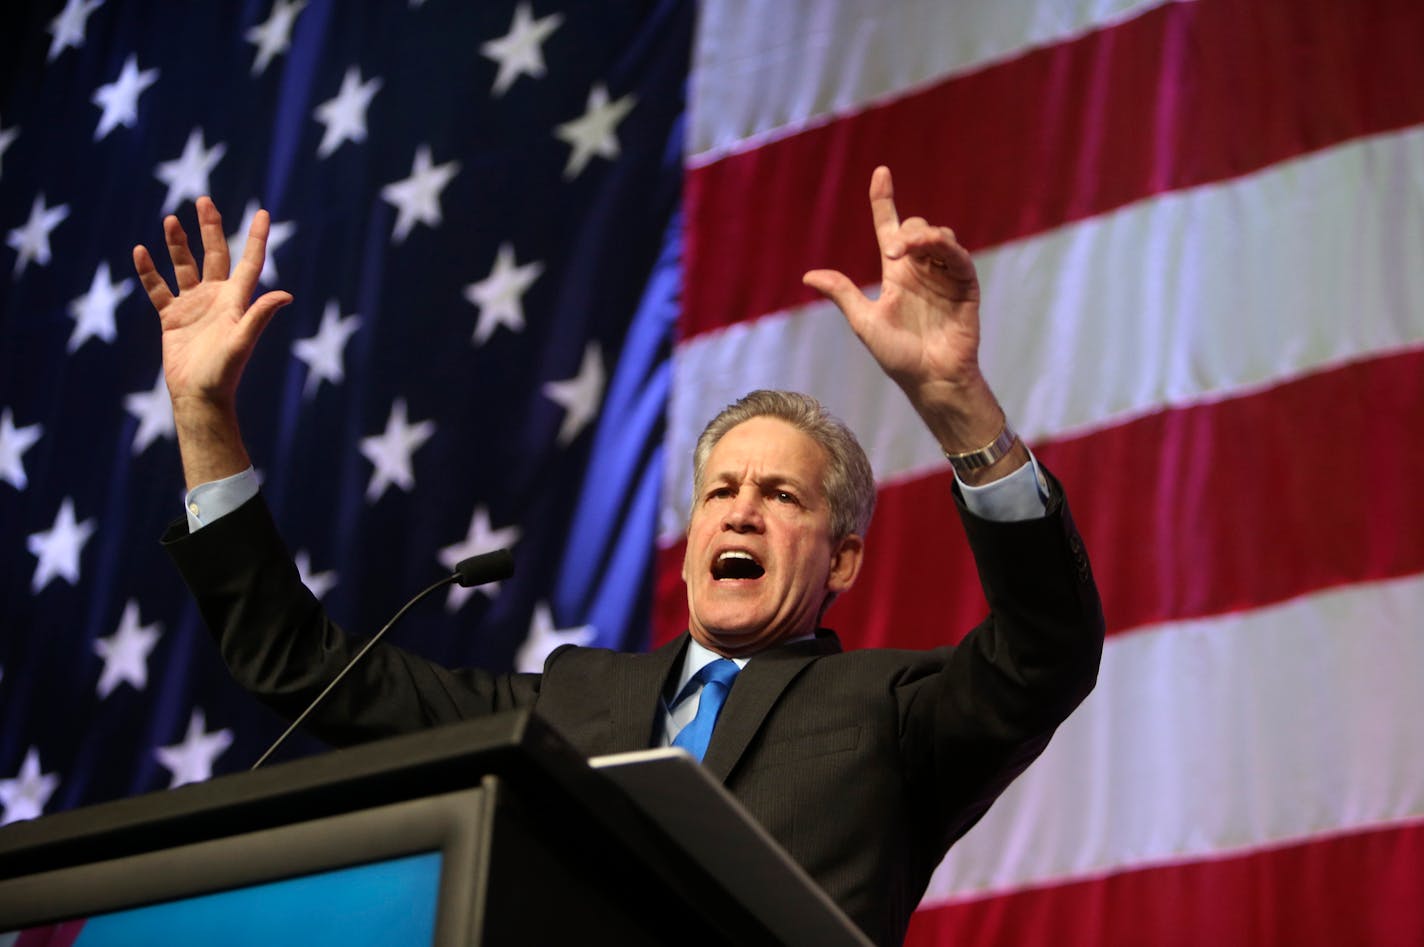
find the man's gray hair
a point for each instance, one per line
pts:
(849, 483)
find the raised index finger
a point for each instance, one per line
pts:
(883, 213)
(254, 253)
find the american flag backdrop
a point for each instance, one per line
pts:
(534, 246)
(477, 209)
(1200, 229)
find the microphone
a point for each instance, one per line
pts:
(476, 570)
(483, 569)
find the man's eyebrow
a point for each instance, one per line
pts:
(782, 480)
(711, 480)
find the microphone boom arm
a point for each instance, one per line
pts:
(476, 570)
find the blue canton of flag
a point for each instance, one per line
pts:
(477, 209)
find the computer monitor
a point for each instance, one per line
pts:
(394, 874)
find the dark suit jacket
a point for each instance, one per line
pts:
(864, 765)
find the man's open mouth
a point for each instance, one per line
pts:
(735, 564)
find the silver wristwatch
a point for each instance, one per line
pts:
(984, 456)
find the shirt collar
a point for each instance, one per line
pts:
(696, 657)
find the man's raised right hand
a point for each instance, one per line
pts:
(209, 332)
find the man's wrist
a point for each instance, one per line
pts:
(209, 441)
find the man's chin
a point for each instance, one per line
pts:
(729, 641)
(739, 640)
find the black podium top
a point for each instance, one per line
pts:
(517, 746)
(568, 826)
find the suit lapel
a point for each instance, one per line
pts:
(755, 692)
(637, 692)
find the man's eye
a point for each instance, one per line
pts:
(783, 497)
(719, 493)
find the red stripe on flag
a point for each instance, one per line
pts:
(1264, 897)
(1186, 513)
(63, 934)
(1184, 95)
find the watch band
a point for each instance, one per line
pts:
(986, 455)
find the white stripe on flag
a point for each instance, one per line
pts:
(762, 71)
(1183, 298)
(1218, 736)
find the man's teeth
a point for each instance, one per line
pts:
(736, 564)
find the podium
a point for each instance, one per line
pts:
(488, 832)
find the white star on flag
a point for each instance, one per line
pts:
(14, 441)
(580, 395)
(31, 241)
(595, 131)
(273, 36)
(544, 638)
(68, 27)
(499, 295)
(154, 410)
(345, 115)
(323, 352)
(7, 138)
(318, 583)
(390, 451)
(417, 198)
(191, 761)
(519, 51)
(25, 796)
(479, 539)
(125, 652)
(187, 175)
(94, 311)
(58, 547)
(278, 233)
(119, 99)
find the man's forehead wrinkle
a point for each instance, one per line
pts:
(768, 479)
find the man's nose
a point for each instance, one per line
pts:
(744, 515)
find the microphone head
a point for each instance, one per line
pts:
(485, 568)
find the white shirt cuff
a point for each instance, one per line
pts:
(1022, 495)
(211, 501)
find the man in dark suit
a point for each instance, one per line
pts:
(865, 765)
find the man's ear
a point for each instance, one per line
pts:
(845, 563)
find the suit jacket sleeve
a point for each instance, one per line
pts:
(973, 720)
(279, 643)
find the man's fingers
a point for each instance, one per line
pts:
(917, 233)
(216, 263)
(148, 276)
(185, 268)
(254, 253)
(883, 213)
(936, 246)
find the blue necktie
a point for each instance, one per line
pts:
(716, 680)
